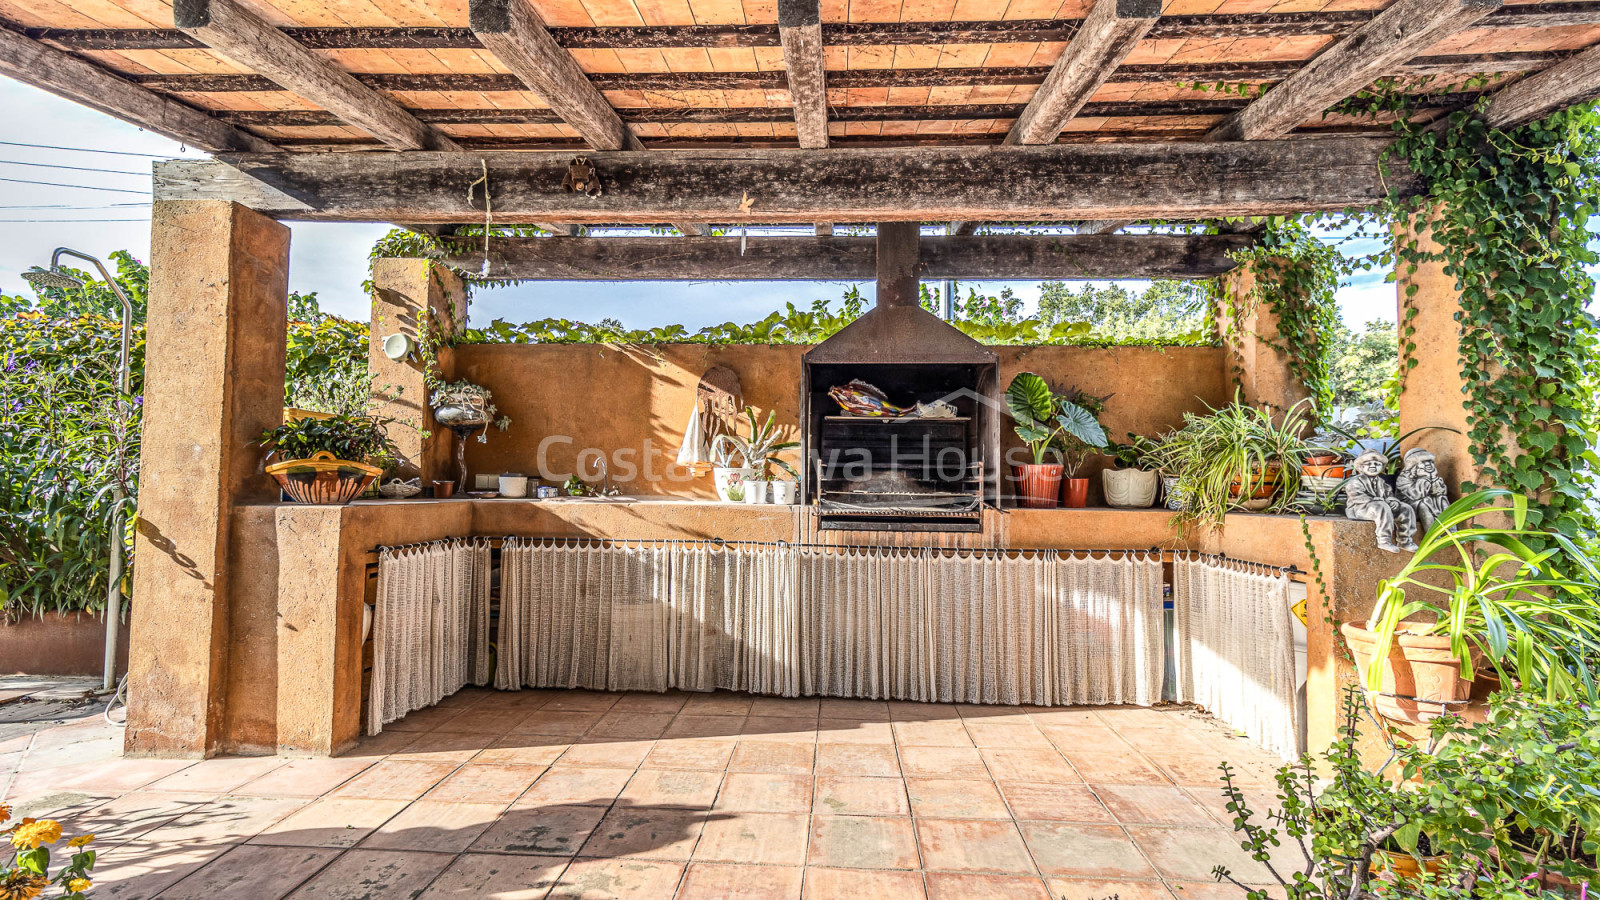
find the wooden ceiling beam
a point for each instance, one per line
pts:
(1402, 31)
(800, 28)
(1575, 81)
(851, 258)
(247, 39)
(1109, 33)
(514, 32)
(65, 75)
(1058, 182)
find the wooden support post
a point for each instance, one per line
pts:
(899, 263)
(800, 29)
(1574, 81)
(1108, 34)
(409, 291)
(214, 375)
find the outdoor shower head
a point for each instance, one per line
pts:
(53, 277)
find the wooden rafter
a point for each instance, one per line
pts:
(1058, 182)
(64, 75)
(1400, 32)
(1109, 33)
(852, 258)
(247, 39)
(1575, 81)
(800, 26)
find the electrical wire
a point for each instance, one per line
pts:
(85, 150)
(18, 162)
(86, 187)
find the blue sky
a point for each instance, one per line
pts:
(331, 259)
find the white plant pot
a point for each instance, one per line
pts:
(1129, 488)
(755, 492)
(726, 476)
(785, 493)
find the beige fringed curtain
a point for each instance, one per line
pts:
(430, 628)
(1234, 647)
(903, 623)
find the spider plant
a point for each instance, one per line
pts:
(1534, 614)
(1222, 459)
(760, 450)
(1065, 422)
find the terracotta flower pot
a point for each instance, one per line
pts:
(1077, 493)
(1325, 471)
(1321, 459)
(323, 479)
(1038, 485)
(1404, 865)
(1420, 674)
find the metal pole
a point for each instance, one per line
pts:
(949, 299)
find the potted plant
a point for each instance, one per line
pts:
(1132, 484)
(328, 460)
(1489, 600)
(1062, 424)
(758, 453)
(1237, 457)
(464, 407)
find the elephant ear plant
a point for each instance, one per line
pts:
(1064, 422)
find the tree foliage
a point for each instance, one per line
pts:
(1172, 310)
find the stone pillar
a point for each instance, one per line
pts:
(1431, 390)
(405, 287)
(214, 376)
(1259, 369)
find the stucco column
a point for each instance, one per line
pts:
(1259, 369)
(214, 375)
(405, 288)
(1431, 390)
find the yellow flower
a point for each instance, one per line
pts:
(81, 840)
(31, 834)
(20, 885)
(5, 812)
(79, 885)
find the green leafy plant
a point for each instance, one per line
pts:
(1139, 452)
(28, 875)
(1222, 459)
(1065, 423)
(354, 438)
(1534, 614)
(759, 450)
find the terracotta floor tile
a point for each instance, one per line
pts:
(1105, 767)
(846, 708)
(305, 778)
(1151, 804)
(426, 719)
(473, 695)
(863, 842)
(622, 879)
(1211, 890)
(331, 822)
(972, 845)
(441, 827)
(1085, 851)
(122, 775)
(1082, 738)
(488, 719)
(630, 725)
(672, 788)
(523, 750)
(687, 725)
(856, 759)
(775, 728)
(1010, 735)
(719, 881)
(1168, 740)
(708, 755)
(854, 731)
(260, 873)
(474, 783)
(932, 733)
(364, 874)
(721, 703)
(965, 886)
(755, 838)
(764, 792)
(943, 762)
(645, 833)
(1054, 802)
(543, 830)
(220, 775)
(911, 711)
(226, 820)
(860, 796)
(1198, 769)
(444, 746)
(955, 799)
(1189, 854)
(786, 707)
(139, 870)
(585, 701)
(1029, 765)
(776, 757)
(858, 884)
(102, 749)
(381, 745)
(560, 786)
(1262, 801)
(1094, 889)
(396, 780)
(1066, 715)
(122, 819)
(606, 754)
(651, 704)
(474, 876)
(557, 723)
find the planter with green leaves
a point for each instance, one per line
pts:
(1133, 483)
(1059, 424)
(1478, 596)
(328, 460)
(758, 452)
(1237, 457)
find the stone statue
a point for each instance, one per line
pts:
(1421, 486)
(1368, 497)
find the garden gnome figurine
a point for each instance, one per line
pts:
(1421, 486)
(1369, 497)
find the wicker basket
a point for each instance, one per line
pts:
(323, 479)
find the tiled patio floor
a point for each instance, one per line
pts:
(568, 794)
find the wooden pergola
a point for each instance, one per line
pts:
(433, 114)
